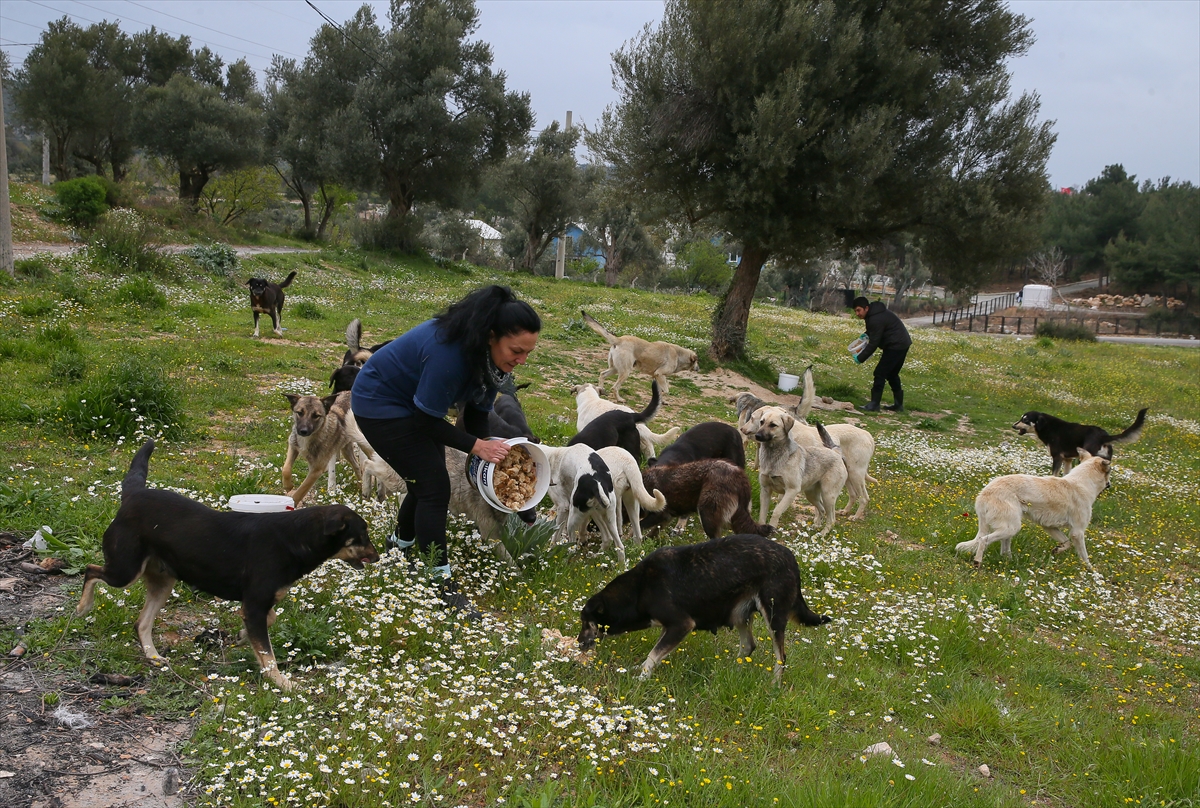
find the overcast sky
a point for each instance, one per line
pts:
(1121, 80)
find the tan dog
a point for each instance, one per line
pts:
(786, 467)
(1055, 503)
(589, 406)
(629, 489)
(626, 354)
(322, 429)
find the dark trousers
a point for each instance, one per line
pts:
(888, 370)
(421, 462)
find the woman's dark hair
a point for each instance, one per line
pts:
(490, 310)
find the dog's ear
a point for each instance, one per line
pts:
(337, 520)
(787, 421)
(249, 282)
(292, 398)
(1084, 454)
(1106, 451)
(329, 401)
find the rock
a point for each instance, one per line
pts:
(876, 749)
(170, 786)
(935, 739)
(985, 771)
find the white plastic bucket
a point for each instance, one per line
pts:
(261, 503)
(858, 344)
(481, 473)
(788, 381)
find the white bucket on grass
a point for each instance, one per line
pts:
(261, 503)
(788, 381)
(482, 473)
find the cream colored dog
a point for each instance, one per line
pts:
(589, 406)
(1055, 503)
(626, 354)
(629, 489)
(788, 468)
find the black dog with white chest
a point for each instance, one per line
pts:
(619, 428)
(711, 439)
(162, 537)
(703, 587)
(267, 298)
(1064, 439)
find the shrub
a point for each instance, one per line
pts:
(215, 258)
(526, 541)
(37, 266)
(130, 401)
(81, 201)
(1067, 331)
(67, 284)
(307, 310)
(60, 335)
(125, 242)
(403, 234)
(141, 292)
(68, 366)
(36, 307)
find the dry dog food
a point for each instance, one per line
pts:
(515, 478)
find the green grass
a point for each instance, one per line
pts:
(1074, 689)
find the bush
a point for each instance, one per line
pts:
(307, 310)
(60, 335)
(403, 234)
(69, 287)
(81, 201)
(68, 366)
(215, 258)
(1068, 331)
(36, 307)
(141, 292)
(36, 267)
(125, 242)
(131, 401)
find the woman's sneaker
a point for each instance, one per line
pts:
(459, 602)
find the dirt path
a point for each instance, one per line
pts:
(74, 754)
(30, 249)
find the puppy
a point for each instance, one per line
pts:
(322, 428)
(702, 587)
(787, 468)
(717, 490)
(711, 439)
(629, 489)
(582, 490)
(657, 359)
(590, 406)
(267, 298)
(618, 428)
(1064, 438)
(356, 355)
(1055, 503)
(163, 537)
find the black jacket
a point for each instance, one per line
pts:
(884, 330)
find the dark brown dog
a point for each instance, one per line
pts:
(254, 558)
(716, 489)
(702, 587)
(267, 298)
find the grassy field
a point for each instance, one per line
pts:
(1075, 689)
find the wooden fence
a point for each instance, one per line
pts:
(1104, 324)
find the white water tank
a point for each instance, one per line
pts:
(1035, 296)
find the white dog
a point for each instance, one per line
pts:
(785, 467)
(589, 406)
(629, 489)
(1055, 503)
(581, 487)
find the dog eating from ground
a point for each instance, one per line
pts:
(709, 440)
(717, 490)
(702, 587)
(626, 354)
(618, 428)
(162, 537)
(322, 429)
(582, 489)
(629, 489)
(1064, 438)
(267, 298)
(589, 406)
(1055, 503)
(789, 469)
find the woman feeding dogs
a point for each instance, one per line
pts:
(402, 395)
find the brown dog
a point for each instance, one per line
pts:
(322, 428)
(657, 359)
(267, 298)
(716, 489)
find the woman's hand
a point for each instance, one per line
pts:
(492, 451)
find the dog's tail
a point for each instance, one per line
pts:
(139, 469)
(805, 405)
(599, 329)
(649, 501)
(1135, 430)
(651, 408)
(354, 336)
(827, 439)
(291, 277)
(806, 616)
(741, 522)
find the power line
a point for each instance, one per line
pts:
(214, 30)
(344, 34)
(20, 22)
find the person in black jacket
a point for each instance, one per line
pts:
(886, 332)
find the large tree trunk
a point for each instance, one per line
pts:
(733, 312)
(191, 185)
(59, 156)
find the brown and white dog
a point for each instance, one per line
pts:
(267, 298)
(322, 429)
(626, 354)
(1055, 503)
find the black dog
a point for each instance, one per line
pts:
(1064, 439)
(267, 298)
(163, 537)
(356, 355)
(702, 587)
(711, 439)
(618, 428)
(343, 378)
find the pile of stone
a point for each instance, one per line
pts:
(1127, 302)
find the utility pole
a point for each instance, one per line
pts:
(560, 261)
(6, 248)
(45, 159)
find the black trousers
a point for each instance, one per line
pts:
(411, 451)
(888, 370)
